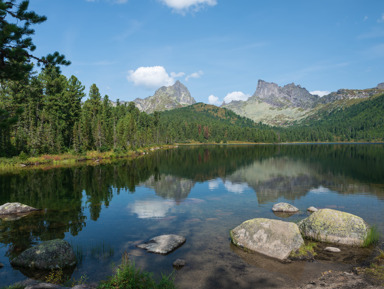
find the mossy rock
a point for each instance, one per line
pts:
(332, 226)
(47, 255)
(274, 238)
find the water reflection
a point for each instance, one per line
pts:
(71, 198)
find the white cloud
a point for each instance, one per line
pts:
(177, 74)
(238, 188)
(149, 209)
(213, 185)
(214, 100)
(150, 77)
(320, 93)
(320, 190)
(236, 95)
(181, 6)
(197, 74)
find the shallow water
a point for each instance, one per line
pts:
(201, 193)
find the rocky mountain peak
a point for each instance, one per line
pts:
(290, 95)
(166, 98)
(380, 85)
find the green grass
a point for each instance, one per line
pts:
(372, 237)
(307, 251)
(127, 276)
(376, 269)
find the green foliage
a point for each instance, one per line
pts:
(307, 251)
(129, 277)
(16, 46)
(373, 237)
(376, 269)
(55, 277)
(207, 123)
(362, 121)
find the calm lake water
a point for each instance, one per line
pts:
(201, 193)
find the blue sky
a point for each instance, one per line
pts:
(217, 48)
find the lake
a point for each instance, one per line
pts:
(201, 193)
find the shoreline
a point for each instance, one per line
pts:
(48, 161)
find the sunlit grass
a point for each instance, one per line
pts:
(127, 276)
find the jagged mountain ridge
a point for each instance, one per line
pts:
(288, 95)
(282, 106)
(166, 98)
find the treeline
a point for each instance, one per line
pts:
(207, 123)
(360, 122)
(44, 114)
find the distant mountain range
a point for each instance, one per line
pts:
(282, 106)
(270, 104)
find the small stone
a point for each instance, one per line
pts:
(332, 249)
(284, 207)
(163, 244)
(179, 263)
(1, 265)
(312, 209)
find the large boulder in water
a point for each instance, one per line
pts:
(274, 238)
(332, 226)
(47, 255)
(15, 208)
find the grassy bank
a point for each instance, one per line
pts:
(70, 159)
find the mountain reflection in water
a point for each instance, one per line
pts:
(188, 186)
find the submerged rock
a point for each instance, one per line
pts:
(15, 208)
(285, 208)
(48, 255)
(274, 238)
(163, 244)
(179, 263)
(332, 226)
(1, 265)
(312, 209)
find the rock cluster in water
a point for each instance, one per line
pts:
(280, 239)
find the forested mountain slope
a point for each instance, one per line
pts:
(362, 121)
(203, 122)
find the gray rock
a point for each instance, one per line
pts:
(380, 85)
(274, 238)
(166, 98)
(47, 256)
(289, 95)
(15, 208)
(163, 244)
(312, 209)
(285, 208)
(332, 249)
(179, 263)
(332, 226)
